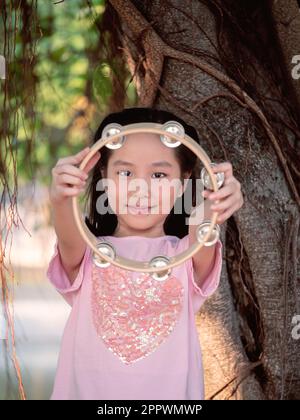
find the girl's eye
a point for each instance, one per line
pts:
(123, 172)
(161, 175)
(156, 175)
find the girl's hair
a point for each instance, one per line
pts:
(105, 224)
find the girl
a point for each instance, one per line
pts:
(130, 336)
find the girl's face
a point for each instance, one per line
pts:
(144, 182)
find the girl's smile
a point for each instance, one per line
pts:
(138, 210)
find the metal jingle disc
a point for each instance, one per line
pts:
(160, 261)
(202, 230)
(106, 249)
(205, 178)
(172, 127)
(111, 130)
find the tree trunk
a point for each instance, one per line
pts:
(215, 64)
(287, 25)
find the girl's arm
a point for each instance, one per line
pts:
(229, 199)
(203, 260)
(68, 181)
(70, 244)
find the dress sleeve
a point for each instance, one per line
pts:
(211, 283)
(59, 279)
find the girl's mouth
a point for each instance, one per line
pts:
(139, 210)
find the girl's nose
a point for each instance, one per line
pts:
(141, 199)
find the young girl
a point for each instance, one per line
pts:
(130, 336)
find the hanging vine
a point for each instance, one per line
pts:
(18, 22)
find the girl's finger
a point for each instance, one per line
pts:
(222, 192)
(70, 191)
(231, 180)
(75, 159)
(224, 204)
(71, 180)
(92, 162)
(71, 170)
(224, 216)
(225, 167)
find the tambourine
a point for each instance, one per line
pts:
(172, 134)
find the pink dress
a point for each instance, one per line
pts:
(129, 336)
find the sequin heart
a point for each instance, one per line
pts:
(132, 312)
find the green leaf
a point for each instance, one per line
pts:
(102, 86)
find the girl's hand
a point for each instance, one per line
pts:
(67, 179)
(229, 196)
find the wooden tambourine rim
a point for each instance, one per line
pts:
(126, 263)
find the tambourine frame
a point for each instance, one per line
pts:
(125, 263)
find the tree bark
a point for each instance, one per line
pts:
(199, 60)
(286, 16)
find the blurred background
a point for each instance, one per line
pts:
(38, 311)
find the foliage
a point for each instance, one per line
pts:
(59, 85)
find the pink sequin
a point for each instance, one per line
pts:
(132, 312)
